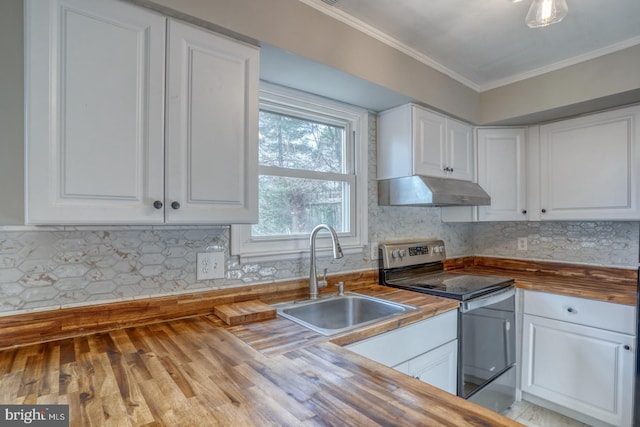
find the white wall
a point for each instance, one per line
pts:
(300, 29)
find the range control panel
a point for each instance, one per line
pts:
(405, 254)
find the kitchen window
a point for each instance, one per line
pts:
(312, 170)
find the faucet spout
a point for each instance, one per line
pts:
(337, 253)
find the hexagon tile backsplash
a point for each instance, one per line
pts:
(50, 267)
(45, 268)
(55, 268)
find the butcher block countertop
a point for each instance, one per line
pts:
(601, 283)
(200, 371)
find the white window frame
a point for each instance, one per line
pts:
(296, 246)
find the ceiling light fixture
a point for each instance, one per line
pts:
(546, 12)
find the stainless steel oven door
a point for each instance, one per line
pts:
(487, 340)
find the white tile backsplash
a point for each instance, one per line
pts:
(597, 243)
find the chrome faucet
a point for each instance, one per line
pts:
(337, 253)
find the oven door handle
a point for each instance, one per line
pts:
(488, 300)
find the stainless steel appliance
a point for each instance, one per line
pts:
(430, 191)
(486, 317)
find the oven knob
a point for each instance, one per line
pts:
(398, 253)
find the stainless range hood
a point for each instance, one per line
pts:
(420, 190)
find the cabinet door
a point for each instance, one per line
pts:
(212, 120)
(395, 347)
(501, 172)
(589, 167)
(95, 90)
(429, 143)
(460, 160)
(439, 367)
(584, 369)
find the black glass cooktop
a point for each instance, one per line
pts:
(450, 285)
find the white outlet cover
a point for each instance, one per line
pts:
(210, 265)
(522, 243)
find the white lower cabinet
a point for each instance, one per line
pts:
(578, 356)
(427, 350)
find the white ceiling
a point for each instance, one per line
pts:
(486, 43)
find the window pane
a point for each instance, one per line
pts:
(295, 205)
(295, 143)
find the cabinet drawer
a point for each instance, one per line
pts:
(400, 345)
(583, 311)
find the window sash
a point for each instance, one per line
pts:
(355, 121)
(348, 212)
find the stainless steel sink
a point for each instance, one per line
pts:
(340, 313)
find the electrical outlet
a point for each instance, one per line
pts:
(210, 265)
(522, 243)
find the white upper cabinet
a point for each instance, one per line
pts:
(459, 159)
(95, 112)
(589, 167)
(416, 141)
(95, 138)
(502, 173)
(212, 128)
